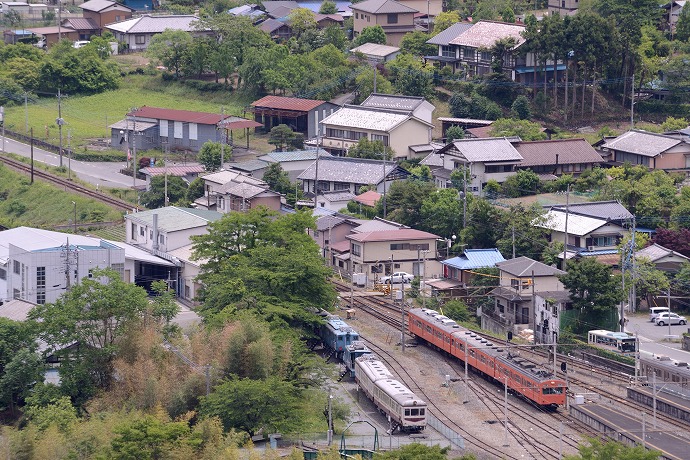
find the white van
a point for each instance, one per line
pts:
(654, 312)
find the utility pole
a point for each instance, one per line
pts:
(534, 309)
(632, 102)
(69, 154)
(59, 5)
(633, 301)
(385, 154)
(222, 138)
(2, 121)
(330, 419)
(565, 241)
(402, 310)
(165, 191)
(74, 203)
(316, 174)
(513, 232)
(134, 151)
(464, 196)
(32, 155)
(59, 120)
(26, 112)
(390, 279)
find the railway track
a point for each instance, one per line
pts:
(67, 185)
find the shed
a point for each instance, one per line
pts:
(302, 115)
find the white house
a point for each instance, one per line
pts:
(136, 33)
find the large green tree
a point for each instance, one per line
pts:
(210, 153)
(404, 201)
(596, 449)
(155, 197)
(169, 48)
(595, 292)
(441, 213)
(372, 34)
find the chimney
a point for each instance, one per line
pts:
(155, 232)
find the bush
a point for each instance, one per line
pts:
(112, 155)
(205, 86)
(520, 108)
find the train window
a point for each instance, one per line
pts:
(472, 353)
(552, 391)
(407, 412)
(421, 411)
(415, 411)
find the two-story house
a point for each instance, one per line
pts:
(519, 280)
(459, 271)
(557, 157)
(563, 7)
(395, 18)
(380, 253)
(229, 190)
(103, 12)
(655, 151)
(396, 129)
(416, 106)
(487, 159)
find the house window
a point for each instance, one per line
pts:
(134, 231)
(400, 246)
(356, 249)
(447, 51)
(356, 15)
(119, 268)
(469, 53)
(140, 39)
(338, 186)
(485, 56)
(17, 267)
(117, 18)
(368, 18)
(15, 293)
(142, 232)
(393, 18)
(380, 137)
(3, 274)
(603, 241)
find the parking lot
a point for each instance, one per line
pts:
(655, 339)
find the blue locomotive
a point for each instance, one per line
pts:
(336, 335)
(352, 352)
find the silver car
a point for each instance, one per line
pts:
(397, 278)
(670, 318)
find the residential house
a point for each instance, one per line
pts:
(672, 11)
(553, 158)
(334, 200)
(464, 123)
(395, 18)
(100, 13)
(655, 151)
(254, 168)
(190, 269)
(136, 33)
(397, 130)
(549, 307)
(416, 106)
(448, 55)
(86, 28)
(485, 159)
(293, 162)
(663, 258)
(158, 128)
(278, 30)
(39, 265)
(367, 201)
(470, 51)
(187, 173)
(227, 191)
(53, 34)
(251, 10)
(380, 253)
(563, 7)
(350, 174)
(166, 229)
(324, 21)
(374, 52)
(610, 210)
(302, 115)
(585, 234)
(519, 280)
(427, 8)
(331, 236)
(458, 271)
(277, 9)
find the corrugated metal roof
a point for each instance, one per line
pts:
(35, 239)
(484, 150)
(523, 266)
(642, 143)
(172, 218)
(485, 34)
(295, 155)
(393, 101)
(607, 210)
(173, 170)
(279, 6)
(147, 24)
(471, 121)
(382, 7)
(475, 258)
(577, 225)
(135, 253)
(16, 309)
(375, 49)
(377, 225)
(338, 195)
(249, 165)
(451, 33)
(400, 234)
(158, 113)
(559, 151)
(287, 103)
(100, 5)
(81, 23)
(363, 118)
(656, 252)
(349, 170)
(128, 125)
(432, 159)
(244, 189)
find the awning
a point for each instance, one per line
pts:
(444, 284)
(240, 124)
(530, 69)
(442, 58)
(345, 256)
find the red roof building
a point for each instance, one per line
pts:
(368, 198)
(302, 115)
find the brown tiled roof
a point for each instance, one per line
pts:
(81, 23)
(158, 113)
(368, 198)
(392, 235)
(569, 151)
(287, 103)
(382, 7)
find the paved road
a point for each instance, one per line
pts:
(104, 174)
(654, 339)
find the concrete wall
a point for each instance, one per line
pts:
(167, 241)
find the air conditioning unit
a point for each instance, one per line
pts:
(591, 248)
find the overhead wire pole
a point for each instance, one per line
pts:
(222, 137)
(60, 121)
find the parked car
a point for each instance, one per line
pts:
(654, 312)
(397, 278)
(670, 318)
(80, 44)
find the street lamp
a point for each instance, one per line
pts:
(449, 242)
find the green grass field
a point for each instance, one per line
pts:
(87, 117)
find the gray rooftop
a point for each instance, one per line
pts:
(155, 24)
(392, 101)
(382, 7)
(100, 5)
(338, 195)
(656, 252)
(295, 155)
(642, 143)
(608, 210)
(485, 150)
(444, 38)
(172, 218)
(326, 222)
(524, 266)
(249, 165)
(349, 170)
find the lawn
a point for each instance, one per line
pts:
(88, 117)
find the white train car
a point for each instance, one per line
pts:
(406, 410)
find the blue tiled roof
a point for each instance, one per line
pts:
(475, 258)
(600, 252)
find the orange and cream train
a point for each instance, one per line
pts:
(496, 362)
